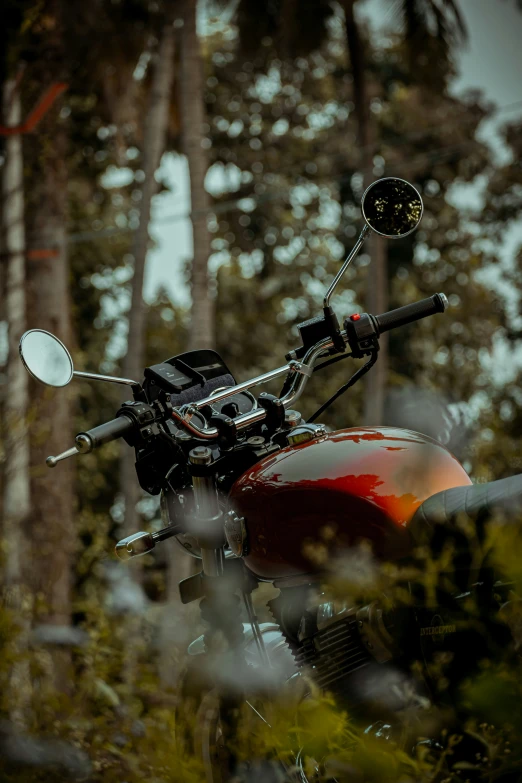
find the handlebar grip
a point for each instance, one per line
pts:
(411, 312)
(92, 439)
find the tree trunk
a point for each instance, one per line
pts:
(356, 51)
(16, 497)
(16, 500)
(377, 287)
(192, 110)
(51, 529)
(377, 303)
(155, 134)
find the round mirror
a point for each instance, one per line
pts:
(392, 207)
(46, 358)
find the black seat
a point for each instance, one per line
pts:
(454, 524)
(472, 499)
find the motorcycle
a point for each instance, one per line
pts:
(256, 495)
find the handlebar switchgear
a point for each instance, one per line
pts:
(363, 330)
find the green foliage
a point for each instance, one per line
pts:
(281, 132)
(284, 127)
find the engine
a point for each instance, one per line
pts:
(362, 655)
(339, 647)
(332, 654)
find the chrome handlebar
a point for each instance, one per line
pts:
(184, 415)
(302, 371)
(297, 372)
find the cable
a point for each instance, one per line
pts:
(355, 377)
(288, 382)
(332, 361)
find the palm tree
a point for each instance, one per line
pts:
(427, 25)
(51, 49)
(154, 140)
(16, 494)
(430, 29)
(50, 529)
(192, 112)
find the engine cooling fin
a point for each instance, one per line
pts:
(333, 653)
(330, 654)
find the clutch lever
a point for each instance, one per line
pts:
(52, 462)
(83, 446)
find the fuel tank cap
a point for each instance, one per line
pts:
(304, 433)
(292, 418)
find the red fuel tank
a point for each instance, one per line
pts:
(313, 500)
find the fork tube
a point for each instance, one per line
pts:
(212, 561)
(209, 516)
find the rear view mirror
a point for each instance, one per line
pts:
(46, 358)
(392, 207)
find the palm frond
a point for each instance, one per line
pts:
(295, 27)
(437, 19)
(432, 31)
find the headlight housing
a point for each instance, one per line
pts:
(171, 510)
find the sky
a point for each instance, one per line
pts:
(490, 62)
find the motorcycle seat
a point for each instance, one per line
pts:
(473, 500)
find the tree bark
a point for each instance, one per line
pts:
(155, 134)
(16, 497)
(192, 110)
(51, 527)
(377, 286)
(377, 303)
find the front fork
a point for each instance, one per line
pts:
(216, 585)
(219, 609)
(220, 606)
(208, 523)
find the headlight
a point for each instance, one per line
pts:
(171, 511)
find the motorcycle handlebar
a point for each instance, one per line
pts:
(122, 425)
(104, 433)
(411, 312)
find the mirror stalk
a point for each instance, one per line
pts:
(392, 208)
(362, 236)
(109, 378)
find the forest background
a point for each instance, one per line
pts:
(283, 112)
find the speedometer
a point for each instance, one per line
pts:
(236, 405)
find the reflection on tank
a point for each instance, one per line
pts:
(330, 494)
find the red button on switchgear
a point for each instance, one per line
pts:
(355, 317)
